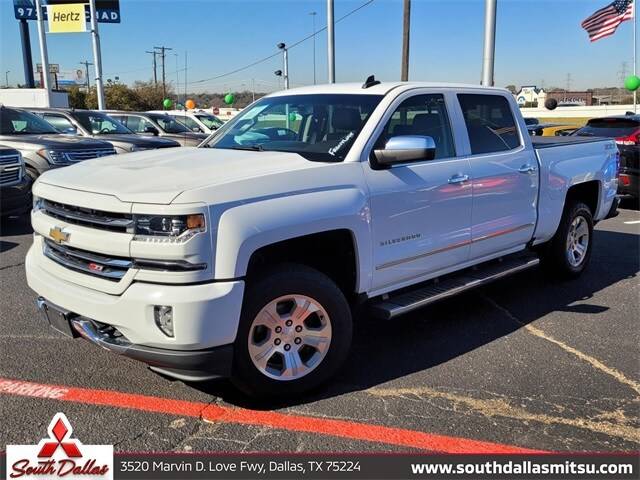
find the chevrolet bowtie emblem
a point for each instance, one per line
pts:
(57, 235)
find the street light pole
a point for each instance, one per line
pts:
(6, 77)
(489, 42)
(43, 52)
(313, 16)
(406, 28)
(97, 56)
(86, 64)
(331, 57)
(285, 61)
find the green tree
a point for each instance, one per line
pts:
(77, 98)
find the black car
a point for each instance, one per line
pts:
(89, 123)
(42, 146)
(625, 129)
(159, 124)
(15, 185)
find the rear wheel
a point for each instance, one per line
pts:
(294, 332)
(569, 251)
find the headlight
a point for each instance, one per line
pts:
(53, 156)
(38, 203)
(168, 228)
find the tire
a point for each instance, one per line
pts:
(327, 315)
(556, 256)
(32, 173)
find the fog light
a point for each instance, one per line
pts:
(163, 316)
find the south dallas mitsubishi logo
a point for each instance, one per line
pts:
(60, 456)
(57, 235)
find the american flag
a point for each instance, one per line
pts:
(605, 21)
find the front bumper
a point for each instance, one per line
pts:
(16, 199)
(189, 365)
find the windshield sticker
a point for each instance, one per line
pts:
(333, 150)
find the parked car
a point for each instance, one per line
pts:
(159, 124)
(626, 132)
(89, 123)
(42, 146)
(199, 121)
(245, 257)
(15, 185)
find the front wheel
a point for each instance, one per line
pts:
(569, 251)
(294, 333)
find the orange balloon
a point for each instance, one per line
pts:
(190, 104)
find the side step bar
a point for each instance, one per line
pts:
(452, 284)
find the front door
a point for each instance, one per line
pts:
(421, 211)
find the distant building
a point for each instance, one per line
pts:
(530, 95)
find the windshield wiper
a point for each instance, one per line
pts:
(253, 148)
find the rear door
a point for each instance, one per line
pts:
(504, 175)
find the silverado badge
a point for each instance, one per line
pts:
(58, 235)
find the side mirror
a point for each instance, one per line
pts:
(70, 131)
(406, 148)
(152, 130)
(197, 130)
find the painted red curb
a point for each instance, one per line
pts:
(283, 421)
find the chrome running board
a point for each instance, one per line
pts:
(450, 285)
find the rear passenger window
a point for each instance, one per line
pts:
(490, 123)
(423, 115)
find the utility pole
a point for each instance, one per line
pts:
(97, 56)
(406, 27)
(43, 52)
(313, 16)
(6, 78)
(489, 42)
(622, 75)
(331, 43)
(163, 54)
(86, 64)
(155, 69)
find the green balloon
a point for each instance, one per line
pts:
(229, 98)
(632, 83)
(166, 103)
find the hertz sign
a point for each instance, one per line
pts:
(67, 18)
(107, 11)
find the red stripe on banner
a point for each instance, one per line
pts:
(282, 421)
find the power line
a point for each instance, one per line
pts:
(295, 44)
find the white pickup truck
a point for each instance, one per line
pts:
(246, 257)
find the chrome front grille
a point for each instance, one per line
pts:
(10, 169)
(89, 217)
(110, 268)
(62, 156)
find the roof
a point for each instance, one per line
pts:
(381, 89)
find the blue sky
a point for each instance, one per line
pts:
(538, 42)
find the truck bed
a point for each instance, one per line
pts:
(548, 142)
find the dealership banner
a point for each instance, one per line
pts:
(363, 466)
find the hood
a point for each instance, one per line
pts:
(159, 176)
(137, 140)
(56, 141)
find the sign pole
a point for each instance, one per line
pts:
(97, 57)
(43, 51)
(27, 61)
(331, 46)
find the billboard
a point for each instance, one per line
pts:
(107, 11)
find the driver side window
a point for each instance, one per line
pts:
(422, 115)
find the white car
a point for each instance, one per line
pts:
(199, 121)
(245, 257)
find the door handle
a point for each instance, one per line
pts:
(458, 179)
(527, 168)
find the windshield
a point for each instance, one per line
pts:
(169, 124)
(100, 124)
(608, 127)
(318, 127)
(212, 122)
(17, 122)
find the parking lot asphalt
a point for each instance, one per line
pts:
(524, 363)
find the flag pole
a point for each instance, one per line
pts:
(635, 58)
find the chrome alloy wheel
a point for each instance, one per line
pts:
(289, 337)
(577, 241)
